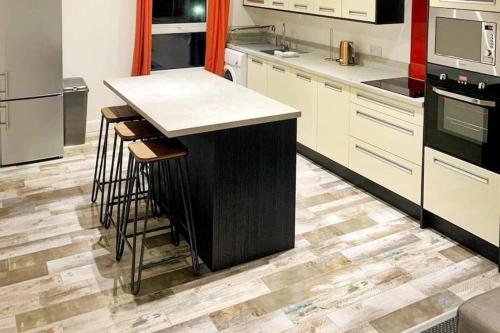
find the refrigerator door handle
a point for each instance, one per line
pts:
(4, 115)
(4, 86)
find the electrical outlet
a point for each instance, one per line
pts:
(376, 50)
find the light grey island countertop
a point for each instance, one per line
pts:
(192, 101)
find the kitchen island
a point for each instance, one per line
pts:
(242, 159)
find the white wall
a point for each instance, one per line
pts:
(239, 16)
(394, 39)
(98, 39)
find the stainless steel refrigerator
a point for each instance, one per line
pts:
(31, 84)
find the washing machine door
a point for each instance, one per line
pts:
(229, 73)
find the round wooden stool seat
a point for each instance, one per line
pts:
(136, 130)
(157, 150)
(117, 114)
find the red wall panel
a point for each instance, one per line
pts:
(418, 39)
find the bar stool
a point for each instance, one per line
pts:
(110, 115)
(128, 131)
(162, 158)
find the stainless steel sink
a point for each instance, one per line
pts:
(271, 52)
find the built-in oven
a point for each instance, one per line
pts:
(464, 39)
(462, 115)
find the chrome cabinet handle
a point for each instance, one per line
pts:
(385, 160)
(357, 13)
(465, 99)
(279, 69)
(461, 171)
(256, 1)
(304, 77)
(385, 123)
(300, 6)
(386, 105)
(327, 9)
(333, 87)
(258, 62)
(278, 3)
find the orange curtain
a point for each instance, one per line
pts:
(217, 23)
(143, 38)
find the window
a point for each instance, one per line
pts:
(179, 31)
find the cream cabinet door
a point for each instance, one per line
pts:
(279, 82)
(257, 75)
(488, 6)
(362, 10)
(331, 8)
(333, 121)
(302, 6)
(256, 3)
(279, 4)
(463, 194)
(304, 97)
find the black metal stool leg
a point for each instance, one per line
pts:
(105, 219)
(137, 176)
(116, 184)
(102, 177)
(171, 203)
(136, 284)
(94, 187)
(123, 222)
(182, 167)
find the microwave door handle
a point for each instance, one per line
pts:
(463, 98)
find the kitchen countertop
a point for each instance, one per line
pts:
(314, 63)
(192, 101)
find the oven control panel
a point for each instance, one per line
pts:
(489, 43)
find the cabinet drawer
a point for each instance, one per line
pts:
(390, 171)
(463, 194)
(362, 10)
(301, 6)
(398, 137)
(257, 75)
(279, 4)
(388, 106)
(278, 80)
(331, 8)
(256, 3)
(303, 89)
(333, 121)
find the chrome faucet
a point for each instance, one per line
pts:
(283, 38)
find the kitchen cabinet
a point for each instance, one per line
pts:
(397, 174)
(463, 194)
(333, 121)
(362, 10)
(331, 8)
(391, 134)
(278, 78)
(303, 89)
(302, 6)
(488, 6)
(257, 75)
(370, 11)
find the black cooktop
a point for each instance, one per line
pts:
(402, 85)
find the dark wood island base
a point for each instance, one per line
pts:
(243, 184)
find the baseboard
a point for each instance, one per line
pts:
(93, 126)
(369, 186)
(461, 236)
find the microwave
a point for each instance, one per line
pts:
(464, 39)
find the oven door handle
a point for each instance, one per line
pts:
(463, 98)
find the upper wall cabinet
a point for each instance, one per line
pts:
(482, 5)
(371, 11)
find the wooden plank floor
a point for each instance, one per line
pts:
(359, 265)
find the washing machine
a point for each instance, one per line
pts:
(235, 68)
